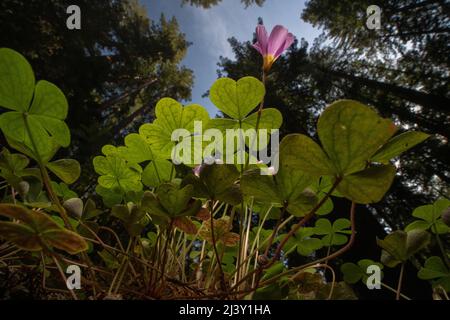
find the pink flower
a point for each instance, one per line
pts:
(273, 46)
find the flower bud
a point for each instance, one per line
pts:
(23, 188)
(74, 206)
(446, 216)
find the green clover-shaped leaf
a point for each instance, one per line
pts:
(369, 185)
(334, 234)
(430, 217)
(170, 116)
(216, 182)
(62, 190)
(68, 170)
(288, 187)
(222, 232)
(171, 201)
(157, 172)
(399, 144)
(270, 119)
(16, 81)
(133, 217)
(351, 133)
(399, 246)
(355, 272)
(13, 168)
(36, 231)
(302, 241)
(137, 150)
(237, 99)
(35, 126)
(303, 153)
(116, 174)
(37, 111)
(435, 270)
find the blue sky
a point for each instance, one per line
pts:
(209, 29)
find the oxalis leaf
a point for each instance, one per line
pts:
(68, 170)
(430, 217)
(170, 116)
(171, 201)
(222, 232)
(334, 234)
(399, 144)
(286, 188)
(216, 182)
(302, 241)
(270, 119)
(351, 133)
(132, 216)
(13, 168)
(355, 272)
(399, 246)
(435, 270)
(237, 99)
(36, 231)
(302, 153)
(37, 122)
(116, 174)
(369, 185)
(137, 150)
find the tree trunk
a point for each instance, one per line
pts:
(427, 100)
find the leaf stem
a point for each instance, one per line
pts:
(400, 280)
(216, 252)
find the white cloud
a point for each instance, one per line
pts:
(214, 30)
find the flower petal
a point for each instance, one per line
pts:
(261, 36)
(277, 40)
(257, 46)
(289, 41)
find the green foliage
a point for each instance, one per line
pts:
(400, 246)
(356, 272)
(13, 168)
(436, 271)
(216, 182)
(133, 217)
(351, 134)
(222, 232)
(177, 220)
(170, 116)
(303, 242)
(334, 234)
(237, 98)
(37, 123)
(430, 217)
(399, 144)
(171, 201)
(68, 170)
(37, 231)
(117, 174)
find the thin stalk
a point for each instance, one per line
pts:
(400, 280)
(63, 276)
(441, 247)
(122, 265)
(213, 238)
(394, 291)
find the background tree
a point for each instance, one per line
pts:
(396, 70)
(210, 3)
(113, 70)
